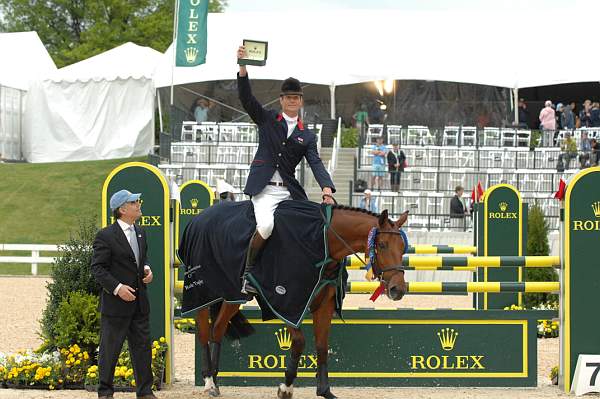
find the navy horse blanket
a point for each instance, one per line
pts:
(288, 273)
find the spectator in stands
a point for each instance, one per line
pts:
(573, 106)
(558, 115)
(396, 160)
(457, 207)
(569, 151)
(595, 115)
(567, 118)
(585, 115)
(201, 110)
(523, 114)
(585, 146)
(361, 119)
(367, 202)
(378, 152)
(548, 123)
(595, 150)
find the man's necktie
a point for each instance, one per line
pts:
(134, 244)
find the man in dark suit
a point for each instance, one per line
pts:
(457, 208)
(119, 266)
(283, 142)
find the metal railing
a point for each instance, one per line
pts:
(34, 259)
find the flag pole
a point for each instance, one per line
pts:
(174, 45)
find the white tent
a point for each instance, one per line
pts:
(24, 59)
(99, 108)
(513, 49)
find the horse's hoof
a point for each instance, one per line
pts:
(285, 392)
(214, 392)
(327, 395)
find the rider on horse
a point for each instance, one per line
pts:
(283, 141)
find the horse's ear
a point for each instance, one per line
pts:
(383, 218)
(402, 219)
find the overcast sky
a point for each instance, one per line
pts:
(481, 5)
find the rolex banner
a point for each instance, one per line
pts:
(191, 33)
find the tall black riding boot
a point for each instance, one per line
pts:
(256, 244)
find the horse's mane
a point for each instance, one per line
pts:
(354, 209)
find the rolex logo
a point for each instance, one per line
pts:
(503, 206)
(194, 203)
(447, 338)
(190, 54)
(596, 208)
(284, 339)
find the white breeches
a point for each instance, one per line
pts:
(265, 204)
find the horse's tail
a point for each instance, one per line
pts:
(238, 326)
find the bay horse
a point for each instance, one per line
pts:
(347, 234)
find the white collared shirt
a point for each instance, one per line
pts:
(291, 125)
(126, 230)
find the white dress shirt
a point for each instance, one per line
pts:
(291, 125)
(126, 230)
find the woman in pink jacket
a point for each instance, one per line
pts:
(548, 123)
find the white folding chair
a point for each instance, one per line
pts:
(450, 135)
(468, 136)
(373, 132)
(188, 132)
(508, 137)
(523, 138)
(394, 134)
(206, 132)
(491, 137)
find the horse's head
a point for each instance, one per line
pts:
(389, 244)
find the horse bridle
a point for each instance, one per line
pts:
(374, 264)
(378, 275)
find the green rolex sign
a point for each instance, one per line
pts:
(195, 196)
(580, 272)
(503, 232)
(143, 178)
(191, 39)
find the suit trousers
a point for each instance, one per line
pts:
(113, 331)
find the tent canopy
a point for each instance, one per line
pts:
(99, 108)
(24, 59)
(125, 61)
(507, 49)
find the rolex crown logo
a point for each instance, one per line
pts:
(284, 339)
(447, 338)
(503, 206)
(190, 54)
(596, 208)
(194, 203)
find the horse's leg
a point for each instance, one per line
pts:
(203, 336)
(286, 390)
(322, 324)
(218, 331)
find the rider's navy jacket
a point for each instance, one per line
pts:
(276, 152)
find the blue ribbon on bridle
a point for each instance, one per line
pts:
(371, 245)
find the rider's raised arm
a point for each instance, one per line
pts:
(249, 102)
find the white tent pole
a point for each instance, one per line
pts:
(160, 121)
(516, 104)
(332, 93)
(174, 46)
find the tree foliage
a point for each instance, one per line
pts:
(70, 272)
(73, 30)
(537, 244)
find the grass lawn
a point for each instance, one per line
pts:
(42, 203)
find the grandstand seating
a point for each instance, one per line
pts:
(211, 151)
